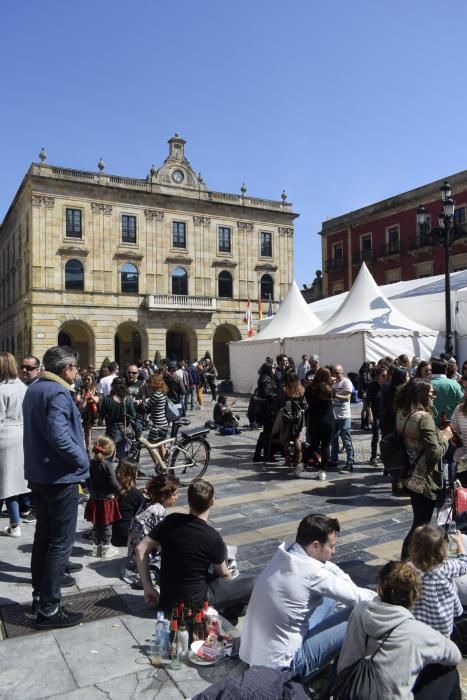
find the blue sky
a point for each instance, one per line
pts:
(340, 103)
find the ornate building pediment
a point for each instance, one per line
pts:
(176, 169)
(128, 255)
(178, 260)
(265, 267)
(72, 250)
(225, 262)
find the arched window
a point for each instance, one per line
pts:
(129, 278)
(179, 281)
(225, 284)
(74, 275)
(267, 287)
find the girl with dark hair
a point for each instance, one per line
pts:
(130, 500)
(88, 401)
(425, 444)
(412, 660)
(102, 508)
(423, 370)
(267, 390)
(293, 408)
(117, 410)
(319, 415)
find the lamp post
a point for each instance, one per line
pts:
(446, 233)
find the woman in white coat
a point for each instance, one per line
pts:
(12, 482)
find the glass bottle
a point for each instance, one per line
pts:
(175, 647)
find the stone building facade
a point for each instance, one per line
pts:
(122, 267)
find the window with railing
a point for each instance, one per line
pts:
(128, 229)
(366, 247)
(73, 223)
(459, 216)
(424, 232)
(224, 239)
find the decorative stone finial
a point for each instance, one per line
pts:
(243, 189)
(176, 135)
(101, 165)
(153, 171)
(42, 155)
(200, 178)
(283, 196)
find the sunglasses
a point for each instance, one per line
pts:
(29, 369)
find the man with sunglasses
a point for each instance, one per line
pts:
(55, 462)
(30, 369)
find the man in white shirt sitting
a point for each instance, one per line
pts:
(291, 619)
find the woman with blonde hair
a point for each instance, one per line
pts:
(12, 482)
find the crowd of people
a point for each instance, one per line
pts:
(302, 611)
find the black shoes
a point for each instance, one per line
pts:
(72, 567)
(347, 469)
(62, 618)
(67, 581)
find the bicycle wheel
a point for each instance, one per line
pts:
(191, 462)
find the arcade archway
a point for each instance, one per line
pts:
(220, 349)
(129, 343)
(80, 337)
(180, 344)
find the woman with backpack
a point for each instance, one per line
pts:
(411, 660)
(425, 444)
(266, 390)
(293, 410)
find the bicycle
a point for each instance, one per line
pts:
(186, 457)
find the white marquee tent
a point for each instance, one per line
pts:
(366, 326)
(246, 356)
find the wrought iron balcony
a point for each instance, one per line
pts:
(422, 241)
(390, 249)
(367, 256)
(335, 265)
(180, 302)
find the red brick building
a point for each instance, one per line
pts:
(386, 236)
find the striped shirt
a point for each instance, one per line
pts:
(156, 407)
(439, 602)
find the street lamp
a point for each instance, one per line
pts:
(446, 233)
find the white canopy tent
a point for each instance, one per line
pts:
(246, 356)
(366, 326)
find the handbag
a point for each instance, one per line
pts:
(460, 500)
(171, 411)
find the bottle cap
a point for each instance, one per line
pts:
(160, 615)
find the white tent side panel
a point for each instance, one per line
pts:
(246, 357)
(378, 346)
(343, 349)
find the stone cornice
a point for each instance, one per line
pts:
(225, 262)
(178, 260)
(265, 267)
(38, 200)
(128, 255)
(72, 250)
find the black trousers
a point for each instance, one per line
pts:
(422, 511)
(437, 682)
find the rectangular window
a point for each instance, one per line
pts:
(128, 229)
(73, 223)
(225, 245)
(424, 232)
(393, 239)
(366, 246)
(459, 217)
(266, 244)
(178, 234)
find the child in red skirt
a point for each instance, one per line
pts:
(102, 508)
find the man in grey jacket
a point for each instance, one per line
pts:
(55, 461)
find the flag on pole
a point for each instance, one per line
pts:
(270, 313)
(260, 310)
(248, 319)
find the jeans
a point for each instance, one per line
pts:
(422, 511)
(192, 391)
(375, 437)
(12, 507)
(324, 639)
(342, 428)
(230, 596)
(56, 514)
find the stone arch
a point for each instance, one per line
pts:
(130, 343)
(223, 334)
(80, 337)
(181, 343)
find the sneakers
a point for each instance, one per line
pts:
(62, 618)
(11, 531)
(374, 462)
(109, 551)
(29, 518)
(233, 568)
(347, 469)
(298, 470)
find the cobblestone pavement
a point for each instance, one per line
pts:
(257, 506)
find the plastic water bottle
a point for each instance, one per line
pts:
(157, 641)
